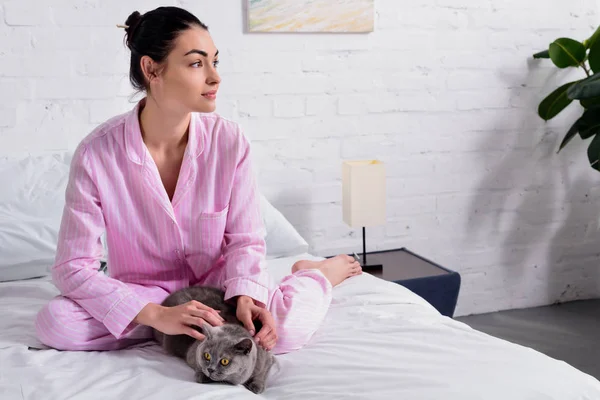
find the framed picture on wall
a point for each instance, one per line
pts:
(310, 15)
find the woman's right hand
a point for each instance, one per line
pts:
(178, 320)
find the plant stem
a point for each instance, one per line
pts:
(587, 71)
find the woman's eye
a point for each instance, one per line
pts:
(197, 64)
(215, 63)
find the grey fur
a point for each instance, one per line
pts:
(249, 364)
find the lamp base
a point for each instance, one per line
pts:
(372, 264)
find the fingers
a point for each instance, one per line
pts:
(209, 317)
(266, 318)
(270, 340)
(270, 344)
(193, 333)
(204, 307)
(189, 321)
(248, 324)
(262, 334)
(267, 337)
(205, 315)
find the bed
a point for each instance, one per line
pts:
(378, 340)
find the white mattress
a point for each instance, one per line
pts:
(379, 341)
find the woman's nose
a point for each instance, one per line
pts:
(213, 77)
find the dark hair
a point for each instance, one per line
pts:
(153, 34)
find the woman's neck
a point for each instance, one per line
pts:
(163, 129)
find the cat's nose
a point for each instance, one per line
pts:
(210, 370)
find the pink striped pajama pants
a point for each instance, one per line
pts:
(298, 305)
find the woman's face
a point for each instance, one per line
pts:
(189, 80)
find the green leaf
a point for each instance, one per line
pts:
(585, 89)
(570, 135)
(590, 42)
(593, 102)
(594, 56)
(555, 102)
(566, 52)
(589, 123)
(593, 153)
(542, 54)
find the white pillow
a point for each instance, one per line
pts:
(282, 239)
(31, 205)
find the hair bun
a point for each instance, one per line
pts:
(132, 22)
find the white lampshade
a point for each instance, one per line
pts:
(363, 193)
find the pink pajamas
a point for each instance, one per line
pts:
(211, 233)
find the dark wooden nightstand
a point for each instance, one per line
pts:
(436, 284)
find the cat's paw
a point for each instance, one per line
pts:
(201, 378)
(254, 386)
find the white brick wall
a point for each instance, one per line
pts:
(444, 92)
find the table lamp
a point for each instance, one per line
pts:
(363, 199)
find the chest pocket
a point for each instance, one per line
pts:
(206, 237)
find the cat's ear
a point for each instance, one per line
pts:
(243, 347)
(207, 329)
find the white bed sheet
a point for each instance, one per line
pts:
(378, 341)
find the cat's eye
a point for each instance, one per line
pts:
(207, 356)
(224, 362)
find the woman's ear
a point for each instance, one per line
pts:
(149, 68)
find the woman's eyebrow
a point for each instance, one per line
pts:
(201, 52)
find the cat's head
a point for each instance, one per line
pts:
(228, 354)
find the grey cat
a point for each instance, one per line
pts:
(228, 354)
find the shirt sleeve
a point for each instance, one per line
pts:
(245, 249)
(76, 268)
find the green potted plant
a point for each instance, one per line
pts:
(569, 53)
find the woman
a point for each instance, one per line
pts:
(174, 191)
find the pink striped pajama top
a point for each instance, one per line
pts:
(210, 233)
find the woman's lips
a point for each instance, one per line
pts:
(210, 95)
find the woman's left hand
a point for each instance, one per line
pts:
(247, 312)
